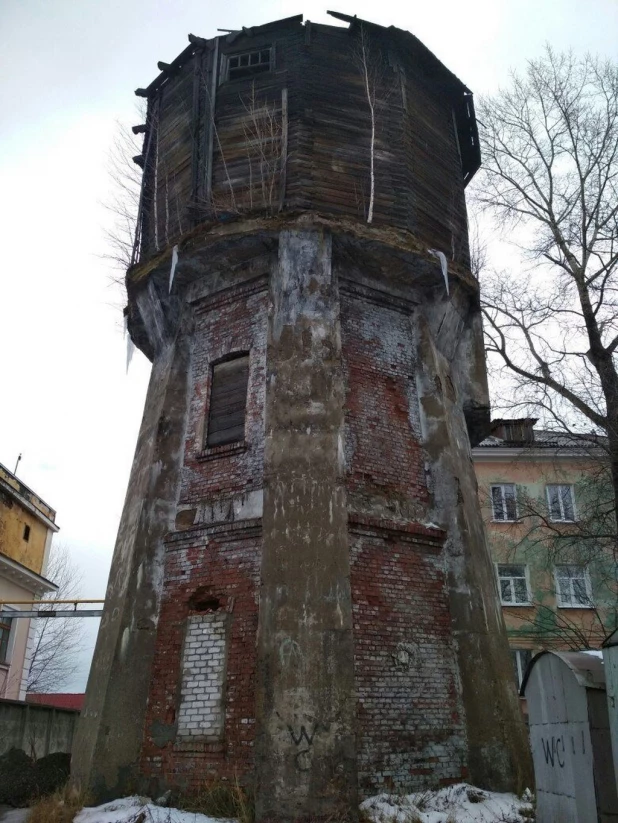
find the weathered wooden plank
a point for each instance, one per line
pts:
(317, 152)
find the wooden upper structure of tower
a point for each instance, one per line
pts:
(359, 122)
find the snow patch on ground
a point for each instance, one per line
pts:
(139, 810)
(454, 804)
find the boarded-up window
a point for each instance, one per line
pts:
(228, 401)
(201, 711)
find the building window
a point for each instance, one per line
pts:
(573, 587)
(504, 502)
(521, 658)
(5, 636)
(248, 63)
(228, 401)
(26, 533)
(560, 503)
(513, 585)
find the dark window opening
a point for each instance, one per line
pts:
(26, 533)
(228, 402)
(202, 601)
(248, 63)
(5, 635)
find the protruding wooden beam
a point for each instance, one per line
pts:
(141, 92)
(141, 129)
(139, 160)
(163, 66)
(197, 41)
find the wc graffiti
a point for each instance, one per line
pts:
(303, 737)
(303, 734)
(555, 748)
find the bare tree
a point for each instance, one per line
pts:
(263, 129)
(550, 149)
(124, 195)
(57, 640)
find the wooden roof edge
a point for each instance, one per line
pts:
(467, 128)
(196, 43)
(422, 48)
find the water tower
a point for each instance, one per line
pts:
(301, 595)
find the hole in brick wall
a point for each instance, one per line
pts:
(202, 601)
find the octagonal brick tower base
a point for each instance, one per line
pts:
(334, 561)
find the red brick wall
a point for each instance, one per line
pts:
(221, 559)
(382, 439)
(223, 562)
(233, 320)
(410, 728)
(409, 717)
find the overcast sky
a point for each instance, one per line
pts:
(69, 68)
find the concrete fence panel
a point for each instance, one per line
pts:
(37, 730)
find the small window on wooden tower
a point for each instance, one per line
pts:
(228, 401)
(26, 533)
(248, 63)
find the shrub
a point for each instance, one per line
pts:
(60, 807)
(219, 798)
(23, 779)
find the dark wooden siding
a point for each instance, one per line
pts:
(248, 150)
(434, 168)
(174, 157)
(322, 145)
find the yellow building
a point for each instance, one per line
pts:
(27, 525)
(547, 506)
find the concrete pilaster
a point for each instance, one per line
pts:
(305, 758)
(109, 735)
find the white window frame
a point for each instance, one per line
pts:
(521, 669)
(11, 641)
(225, 63)
(505, 519)
(561, 519)
(526, 577)
(587, 584)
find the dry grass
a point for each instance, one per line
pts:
(59, 807)
(219, 798)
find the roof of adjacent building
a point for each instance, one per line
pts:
(544, 438)
(570, 442)
(31, 581)
(13, 487)
(61, 700)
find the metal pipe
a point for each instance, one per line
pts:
(44, 602)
